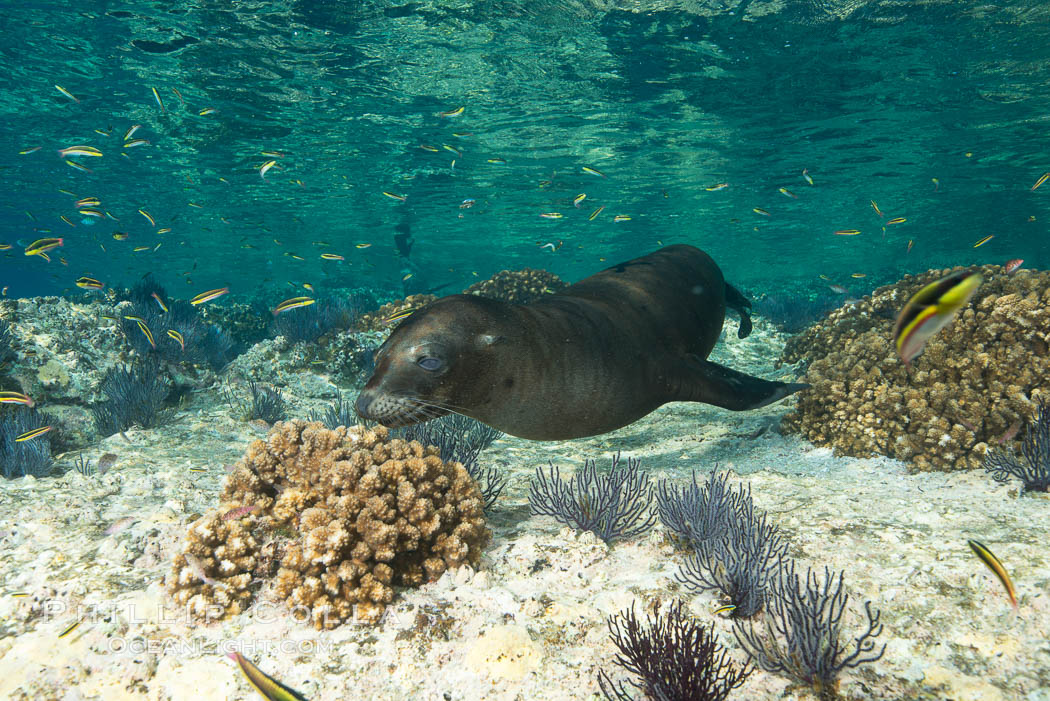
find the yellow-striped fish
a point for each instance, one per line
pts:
(593, 171)
(30, 435)
(293, 303)
(930, 310)
(875, 206)
(172, 333)
(79, 151)
(156, 96)
(896, 220)
(595, 213)
(394, 196)
(148, 216)
(41, 246)
(268, 687)
(988, 558)
(397, 316)
(452, 113)
(146, 332)
(66, 93)
(983, 241)
(1042, 179)
(69, 630)
(77, 166)
(131, 131)
(209, 295)
(89, 283)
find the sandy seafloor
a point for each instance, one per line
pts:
(530, 623)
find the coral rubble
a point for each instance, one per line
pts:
(354, 514)
(974, 384)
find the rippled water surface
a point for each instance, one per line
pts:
(936, 111)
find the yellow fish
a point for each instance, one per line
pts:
(930, 310)
(268, 687)
(30, 435)
(293, 303)
(209, 295)
(988, 558)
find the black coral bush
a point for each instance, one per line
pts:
(736, 550)
(134, 396)
(803, 631)
(1033, 469)
(613, 505)
(673, 658)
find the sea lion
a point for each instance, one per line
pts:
(595, 357)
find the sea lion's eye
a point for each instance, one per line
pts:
(429, 363)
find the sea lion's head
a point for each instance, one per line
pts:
(434, 363)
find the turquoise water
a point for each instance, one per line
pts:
(874, 99)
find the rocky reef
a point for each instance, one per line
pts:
(518, 286)
(342, 515)
(973, 387)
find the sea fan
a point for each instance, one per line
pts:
(613, 505)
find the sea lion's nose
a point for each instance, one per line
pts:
(362, 404)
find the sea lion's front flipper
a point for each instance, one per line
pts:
(711, 383)
(742, 306)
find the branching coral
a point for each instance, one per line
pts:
(613, 505)
(518, 286)
(212, 574)
(973, 385)
(355, 513)
(674, 657)
(740, 562)
(461, 439)
(1034, 471)
(804, 631)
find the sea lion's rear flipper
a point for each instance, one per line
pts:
(711, 383)
(742, 306)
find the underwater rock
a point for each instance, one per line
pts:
(976, 380)
(61, 348)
